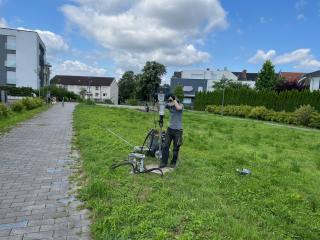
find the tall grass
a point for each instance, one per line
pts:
(204, 198)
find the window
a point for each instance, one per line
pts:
(11, 60)
(200, 89)
(187, 100)
(11, 43)
(104, 94)
(97, 88)
(97, 94)
(11, 77)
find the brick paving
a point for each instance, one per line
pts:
(36, 161)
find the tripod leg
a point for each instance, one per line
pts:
(153, 169)
(124, 163)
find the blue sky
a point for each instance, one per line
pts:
(100, 37)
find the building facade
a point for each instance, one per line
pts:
(99, 89)
(314, 79)
(194, 81)
(22, 59)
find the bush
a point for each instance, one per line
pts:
(17, 106)
(303, 115)
(259, 113)
(18, 91)
(315, 120)
(89, 102)
(4, 111)
(32, 103)
(133, 102)
(287, 101)
(108, 101)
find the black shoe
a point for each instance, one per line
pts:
(162, 165)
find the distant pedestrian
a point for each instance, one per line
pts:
(62, 102)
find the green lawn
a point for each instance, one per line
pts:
(204, 198)
(14, 118)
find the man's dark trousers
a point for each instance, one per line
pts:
(174, 135)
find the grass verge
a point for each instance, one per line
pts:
(14, 118)
(204, 198)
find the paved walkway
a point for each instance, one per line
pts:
(35, 163)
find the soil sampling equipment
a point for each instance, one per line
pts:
(152, 146)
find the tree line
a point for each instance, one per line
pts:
(141, 86)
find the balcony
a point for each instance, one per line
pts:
(10, 63)
(10, 46)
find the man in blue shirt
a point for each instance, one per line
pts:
(174, 132)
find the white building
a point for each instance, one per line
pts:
(314, 79)
(22, 59)
(98, 89)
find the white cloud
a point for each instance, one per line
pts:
(301, 58)
(3, 23)
(77, 68)
(262, 56)
(294, 56)
(54, 42)
(140, 30)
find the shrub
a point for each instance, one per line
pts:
(303, 115)
(32, 103)
(133, 102)
(259, 113)
(284, 101)
(17, 106)
(315, 120)
(108, 101)
(4, 111)
(89, 102)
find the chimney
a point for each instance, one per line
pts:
(208, 69)
(225, 69)
(244, 74)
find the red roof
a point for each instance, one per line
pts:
(292, 76)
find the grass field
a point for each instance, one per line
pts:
(204, 198)
(14, 118)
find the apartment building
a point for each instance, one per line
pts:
(22, 59)
(98, 89)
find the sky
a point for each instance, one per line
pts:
(109, 37)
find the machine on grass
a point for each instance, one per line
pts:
(152, 146)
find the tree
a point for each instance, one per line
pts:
(178, 92)
(227, 83)
(127, 86)
(83, 92)
(267, 78)
(151, 79)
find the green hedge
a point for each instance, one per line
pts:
(305, 115)
(18, 91)
(283, 101)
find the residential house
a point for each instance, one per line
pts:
(194, 81)
(22, 59)
(100, 89)
(247, 78)
(313, 79)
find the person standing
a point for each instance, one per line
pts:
(174, 132)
